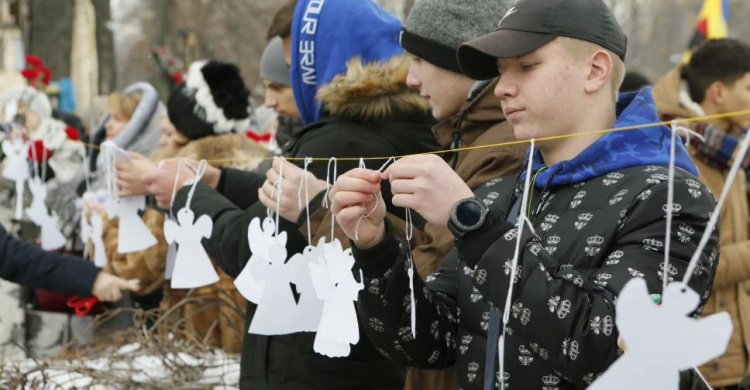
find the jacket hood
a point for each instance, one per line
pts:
(480, 111)
(227, 150)
(327, 34)
(619, 149)
(372, 91)
(672, 97)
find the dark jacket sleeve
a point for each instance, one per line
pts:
(27, 264)
(573, 311)
(385, 306)
(240, 187)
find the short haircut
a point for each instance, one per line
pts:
(122, 106)
(281, 26)
(580, 49)
(724, 60)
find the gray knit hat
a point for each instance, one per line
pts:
(273, 66)
(435, 28)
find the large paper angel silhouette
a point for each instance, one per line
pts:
(38, 213)
(265, 248)
(16, 169)
(335, 285)
(193, 267)
(662, 340)
(133, 234)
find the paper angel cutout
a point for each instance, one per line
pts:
(662, 340)
(16, 169)
(193, 267)
(277, 308)
(265, 248)
(38, 213)
(309, 305)
(335, 285)
(97, 230)
(171, 252)
(133, 234)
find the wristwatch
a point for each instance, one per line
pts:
(467, 215)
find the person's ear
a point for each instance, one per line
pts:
(599, 71)
(716, 93)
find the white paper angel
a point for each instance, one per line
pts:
(133, 234)
(16, 169)
(265, 248)
(335, 285)
(38, 213)
(309, 305)
(193, 267)
(277, 308)
(662, 340)
(97, 230)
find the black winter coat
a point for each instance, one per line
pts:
(27, 264)
(289, 362)
(592, 238)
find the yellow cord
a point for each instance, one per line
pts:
(510, 143)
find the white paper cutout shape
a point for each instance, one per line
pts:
(38, 213)
(277, 308)
(335, 285)
(85, 233)
(97, 230)
(662, 340)
(16, 169)
(171, 252)
(133, 234)
(193, 267)
(309, 306)
(265, 248)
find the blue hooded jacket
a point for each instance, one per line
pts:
(328, 33)
(620, 149)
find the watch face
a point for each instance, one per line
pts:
(469, 213)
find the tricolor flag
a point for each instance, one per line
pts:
(713, 23)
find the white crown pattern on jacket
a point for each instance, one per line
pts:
(214, 114)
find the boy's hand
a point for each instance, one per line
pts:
(427, 185)
(356, 195)
(290, 190)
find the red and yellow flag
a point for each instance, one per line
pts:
(713, 23)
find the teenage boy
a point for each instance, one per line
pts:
(717, 81)
(596, 207)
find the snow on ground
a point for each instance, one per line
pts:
(212, 370)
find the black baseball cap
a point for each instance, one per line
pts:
(531, 24)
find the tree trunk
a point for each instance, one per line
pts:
(50, 33)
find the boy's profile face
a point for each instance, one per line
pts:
(736, 97)
(445, 91)
(540, 91)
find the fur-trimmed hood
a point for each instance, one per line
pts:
(372, 91)
(226, 150)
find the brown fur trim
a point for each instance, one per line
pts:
(226, 150)
(373, 91)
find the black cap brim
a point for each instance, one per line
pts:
(478, 57)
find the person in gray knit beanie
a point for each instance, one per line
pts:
(273, 67)
(435, 28)
(432, 33)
